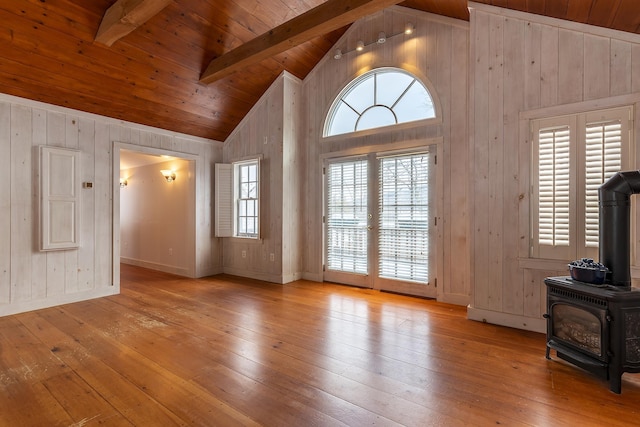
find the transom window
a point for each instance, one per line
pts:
(382, 97)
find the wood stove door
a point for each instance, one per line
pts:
(578, 327)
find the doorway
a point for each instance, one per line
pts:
(379, 221)
(154, 217)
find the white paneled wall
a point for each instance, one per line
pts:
(31, 279)
(269, 131)
(524, 65)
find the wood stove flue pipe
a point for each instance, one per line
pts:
(614, 232)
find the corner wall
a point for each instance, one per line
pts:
(31, 279)
(269, 131)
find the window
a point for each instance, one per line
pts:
(382, 97)
(573, 156)
(247, 199)
(237, 199)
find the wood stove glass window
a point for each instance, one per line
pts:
(573, 155)
(578, 327)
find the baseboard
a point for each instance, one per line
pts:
(179, 271)
(21, 307)
(265, 277)
(288, 278)
(504, 319)
(313, 277)
(454, 299)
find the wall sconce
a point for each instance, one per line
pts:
(382, 38)
(169, 175)
(123, 182)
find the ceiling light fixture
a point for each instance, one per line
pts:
(337, 54)
(360, 46)
(382, 37)
(123, 182)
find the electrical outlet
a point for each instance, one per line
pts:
(244, 254)
(272, 257)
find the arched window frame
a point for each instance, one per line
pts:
(356, 82)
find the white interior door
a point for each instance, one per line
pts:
(378, 222)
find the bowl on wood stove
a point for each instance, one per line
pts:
(595, 273)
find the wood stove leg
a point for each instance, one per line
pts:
(615, 382)
(547, 355)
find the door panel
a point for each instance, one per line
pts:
(346, 222)
(377, 222)
(403, 227)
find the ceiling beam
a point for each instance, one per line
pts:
(329, 16)
(124, 16)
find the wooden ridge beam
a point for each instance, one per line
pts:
(329, 16)
(124, 16)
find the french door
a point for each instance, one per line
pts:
(379, 222)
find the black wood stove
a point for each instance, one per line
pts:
(597, 327)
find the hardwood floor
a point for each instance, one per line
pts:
(227, 351)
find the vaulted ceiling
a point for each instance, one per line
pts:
(156, 74)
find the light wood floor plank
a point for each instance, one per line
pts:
(230, 351)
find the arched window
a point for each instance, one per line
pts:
(381, 97)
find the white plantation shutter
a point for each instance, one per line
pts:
(223, 200)
(347, 211)
(603, 158)
(573, 156)
(403, 247)
(554, 171)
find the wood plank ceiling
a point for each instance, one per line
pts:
(153, 74)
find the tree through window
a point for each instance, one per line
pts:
(382, 97)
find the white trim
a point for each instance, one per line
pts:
(398, 148)
(505, 319)
(21, 307)
(312, 277)
(555, 22)
(454, 299)
(581, 107)
(115, 186)
(264, 277)
(157, 266)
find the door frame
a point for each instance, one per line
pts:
(435, 146)
(117, 146)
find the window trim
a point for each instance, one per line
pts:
(237, 198)
(577, 121)
(352, 83)
(227, 196)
